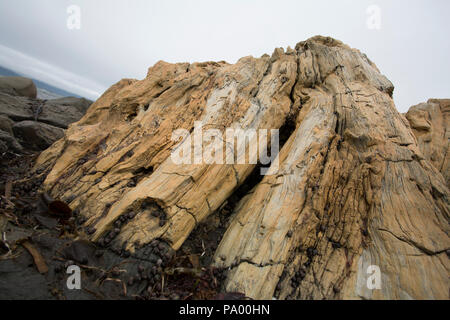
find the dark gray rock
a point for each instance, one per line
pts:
(32, 123)
(20, 281)
(10, 142)
(18, 86)
(6, 124)
(62, 112)
(16, 108)
(57, 112)
(80, 104)
(3, 147)
(37, 135)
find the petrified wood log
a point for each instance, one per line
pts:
(430, 123)
(353, 188)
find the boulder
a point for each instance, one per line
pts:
(6, 124)
(58, 112)
(18, 86)
(80, 104)
(62, 112)
(37, 135)
(16, 108)
(37, 123)
(9, 141)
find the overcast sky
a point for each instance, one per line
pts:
(121, 39)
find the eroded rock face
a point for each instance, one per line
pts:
(353, 190)
(430, 123)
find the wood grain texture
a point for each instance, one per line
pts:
(354, 189)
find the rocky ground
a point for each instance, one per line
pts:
(358, 184)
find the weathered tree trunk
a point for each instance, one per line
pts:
(353, 189)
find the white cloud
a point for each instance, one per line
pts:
(43, 71)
